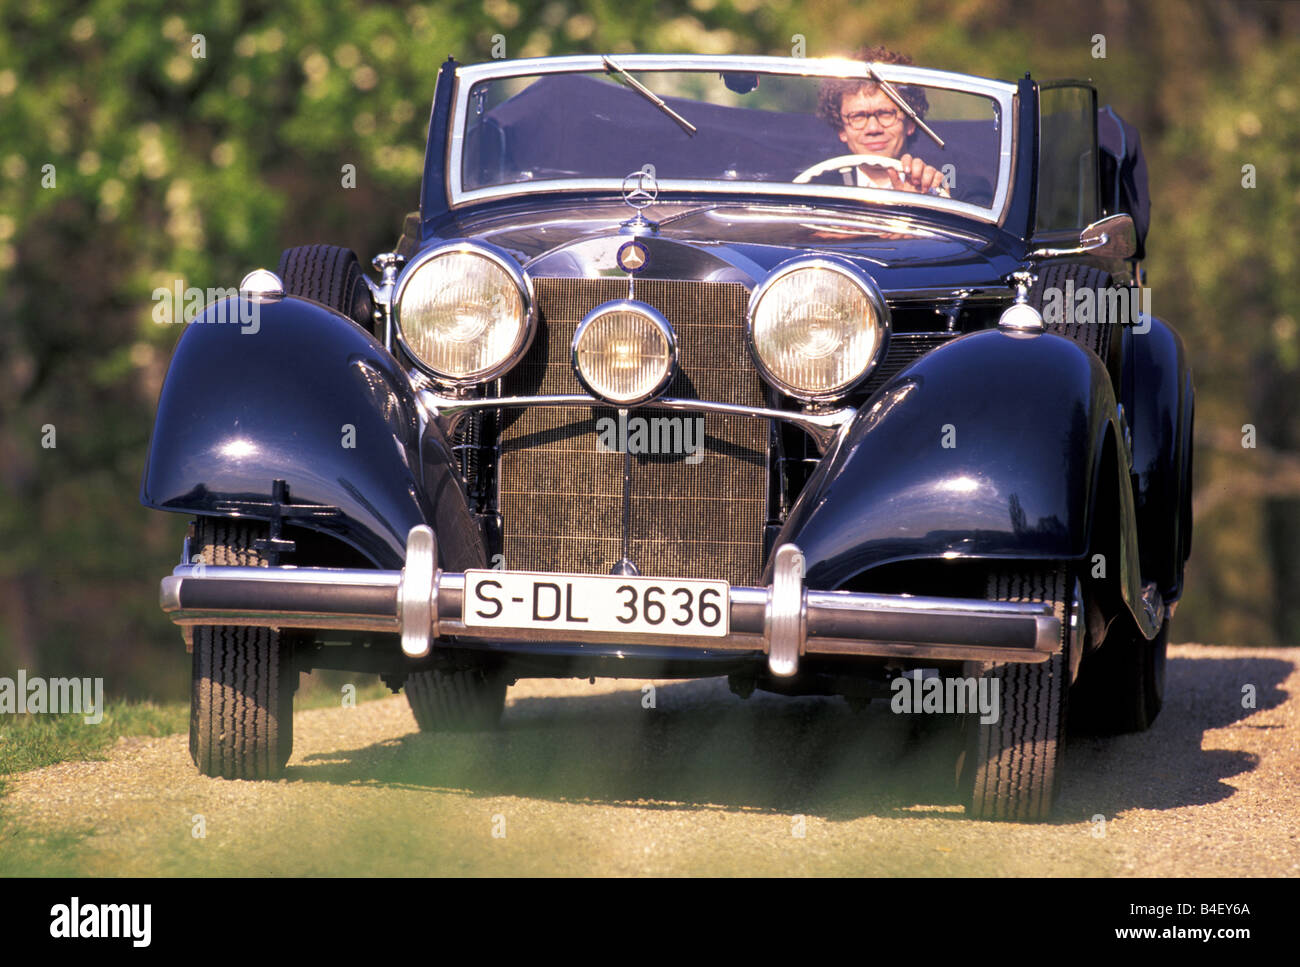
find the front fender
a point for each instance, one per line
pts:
(991, 446)
(1159, 398)
(309, 397)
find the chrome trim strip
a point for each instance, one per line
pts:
(943, 293)
(289, 573)
(696, 186)
(864, 601)
(898, 649)
(331, 620)
(824, 427)
(794, 66)
(1000, 91)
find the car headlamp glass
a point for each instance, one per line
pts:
(464, 313)
(816, 328)
(624, 352)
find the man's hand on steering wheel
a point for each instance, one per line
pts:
(917, 176)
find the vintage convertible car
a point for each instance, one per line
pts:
(660, 382)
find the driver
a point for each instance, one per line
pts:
(869, 122)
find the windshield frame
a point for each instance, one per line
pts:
(1003, 93)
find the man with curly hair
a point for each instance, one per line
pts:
(869, 122)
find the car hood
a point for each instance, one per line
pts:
(743, 243)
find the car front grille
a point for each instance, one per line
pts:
(561, 496)
(904, 349)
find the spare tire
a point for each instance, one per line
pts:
(331, 276)
(1092, 333)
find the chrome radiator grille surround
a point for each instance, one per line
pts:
(904, 349)
(561, 495)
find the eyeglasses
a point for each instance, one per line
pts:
(886, 117)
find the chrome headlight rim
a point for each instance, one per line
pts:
(641, 308)
(523, 284)
(864, 283)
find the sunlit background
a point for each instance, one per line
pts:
(167, 165)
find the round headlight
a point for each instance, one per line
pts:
(464, 312)
(816, 327)
(624, 352)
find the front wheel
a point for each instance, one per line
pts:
(1011, 767)
(241, 692)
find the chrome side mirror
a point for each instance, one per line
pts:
(1114, 236)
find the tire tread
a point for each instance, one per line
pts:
(241, 695)
(1090, 334)
(331, 276)
(468, 699)
(1014, 764)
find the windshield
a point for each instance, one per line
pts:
(735, 130)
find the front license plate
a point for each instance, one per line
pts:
(594, 602)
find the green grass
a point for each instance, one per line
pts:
(34, 741)
(24, 852)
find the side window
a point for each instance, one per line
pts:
(1067, 158)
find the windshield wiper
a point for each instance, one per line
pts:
(649, 95)
(897, 98)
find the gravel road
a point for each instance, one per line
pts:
(581, 779)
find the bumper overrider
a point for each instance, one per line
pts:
(783, 621)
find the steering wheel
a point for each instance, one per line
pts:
(846, 162)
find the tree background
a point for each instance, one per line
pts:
(167, 165)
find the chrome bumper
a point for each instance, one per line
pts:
(422, 603)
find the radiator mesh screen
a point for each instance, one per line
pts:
(561, 496)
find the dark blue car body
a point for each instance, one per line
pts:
(1064, 457)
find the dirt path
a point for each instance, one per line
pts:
(583, 780)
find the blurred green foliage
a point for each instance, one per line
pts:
(169, 165)
(33, 741)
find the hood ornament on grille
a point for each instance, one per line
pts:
(640, 190)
